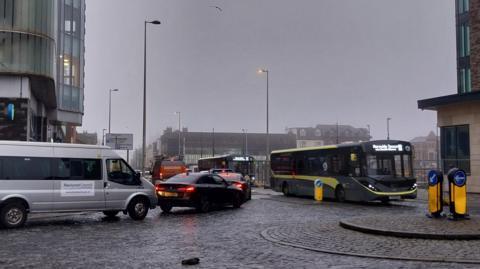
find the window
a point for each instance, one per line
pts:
(79, 169)
(118, 171)
(464, 80)
(463, 6)
(206, 180)
(218, 180)
(27, 168)
(455, 142)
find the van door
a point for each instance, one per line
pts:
(78, 185)
(122, 181)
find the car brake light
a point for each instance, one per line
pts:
(161, 175)
(239, 185)
(159, 188)
(186, 189)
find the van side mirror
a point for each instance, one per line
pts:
(136, 177)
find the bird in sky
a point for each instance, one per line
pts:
(217, 7)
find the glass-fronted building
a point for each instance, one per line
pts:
(41, 68)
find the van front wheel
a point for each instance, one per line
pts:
(13, 215)
(138, 208)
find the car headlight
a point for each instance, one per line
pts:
(370, 186)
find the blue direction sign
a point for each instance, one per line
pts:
(318, 183)
(432, 177)
(460, 178)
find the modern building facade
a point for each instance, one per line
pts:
(458, 115)
(41, 68)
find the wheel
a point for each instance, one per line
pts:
(340, 194)
(138, 208)
(166, 208)
(285, 189)
(13, 215)
(237, 201)
(203, 205)
(110, 213)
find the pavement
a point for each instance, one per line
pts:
(270, 231)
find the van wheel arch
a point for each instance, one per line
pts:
(16, 200)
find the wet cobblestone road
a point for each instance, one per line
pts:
(228, 238)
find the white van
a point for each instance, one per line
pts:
(51, 177)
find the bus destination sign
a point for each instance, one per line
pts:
(388, 147)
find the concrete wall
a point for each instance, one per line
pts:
(466, 113)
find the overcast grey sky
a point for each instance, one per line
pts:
(352, 61)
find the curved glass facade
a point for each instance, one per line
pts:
(27, 37)
(71, 50)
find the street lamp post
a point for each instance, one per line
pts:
(179, 134)
(145, 89)
(388, 128)
(267, 153)
(103, 136)
(110, 108)
(245, 148)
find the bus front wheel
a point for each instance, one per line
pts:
(340, 194)
(285, 189)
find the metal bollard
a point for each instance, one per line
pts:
(457, 187)
(318, 189)
(435, 194)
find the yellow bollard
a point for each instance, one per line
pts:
(435, 203)
(318, 189)
(457, 182)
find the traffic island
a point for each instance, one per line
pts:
(329, 237)
(420, 227)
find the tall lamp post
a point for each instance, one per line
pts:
(103, 136)
(110, 108)
(145, 89)
(388, 128)
(245, 148)
(179, 134)
(267, 153)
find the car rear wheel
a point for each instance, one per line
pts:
(203, 205)
(110, 213)
(166, 208)
(138, 208)
(13, 215)
(237, 201)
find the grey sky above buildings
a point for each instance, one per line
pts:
(352, 61)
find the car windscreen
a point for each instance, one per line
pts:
(183, 178)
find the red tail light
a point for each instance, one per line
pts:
(240, 185)
(159, 188)
(161, 176)
(186, 189)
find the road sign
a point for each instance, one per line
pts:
(119, 141)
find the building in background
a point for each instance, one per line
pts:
(328, 134)
(41, 68)
(458, 115)
(425, 155)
